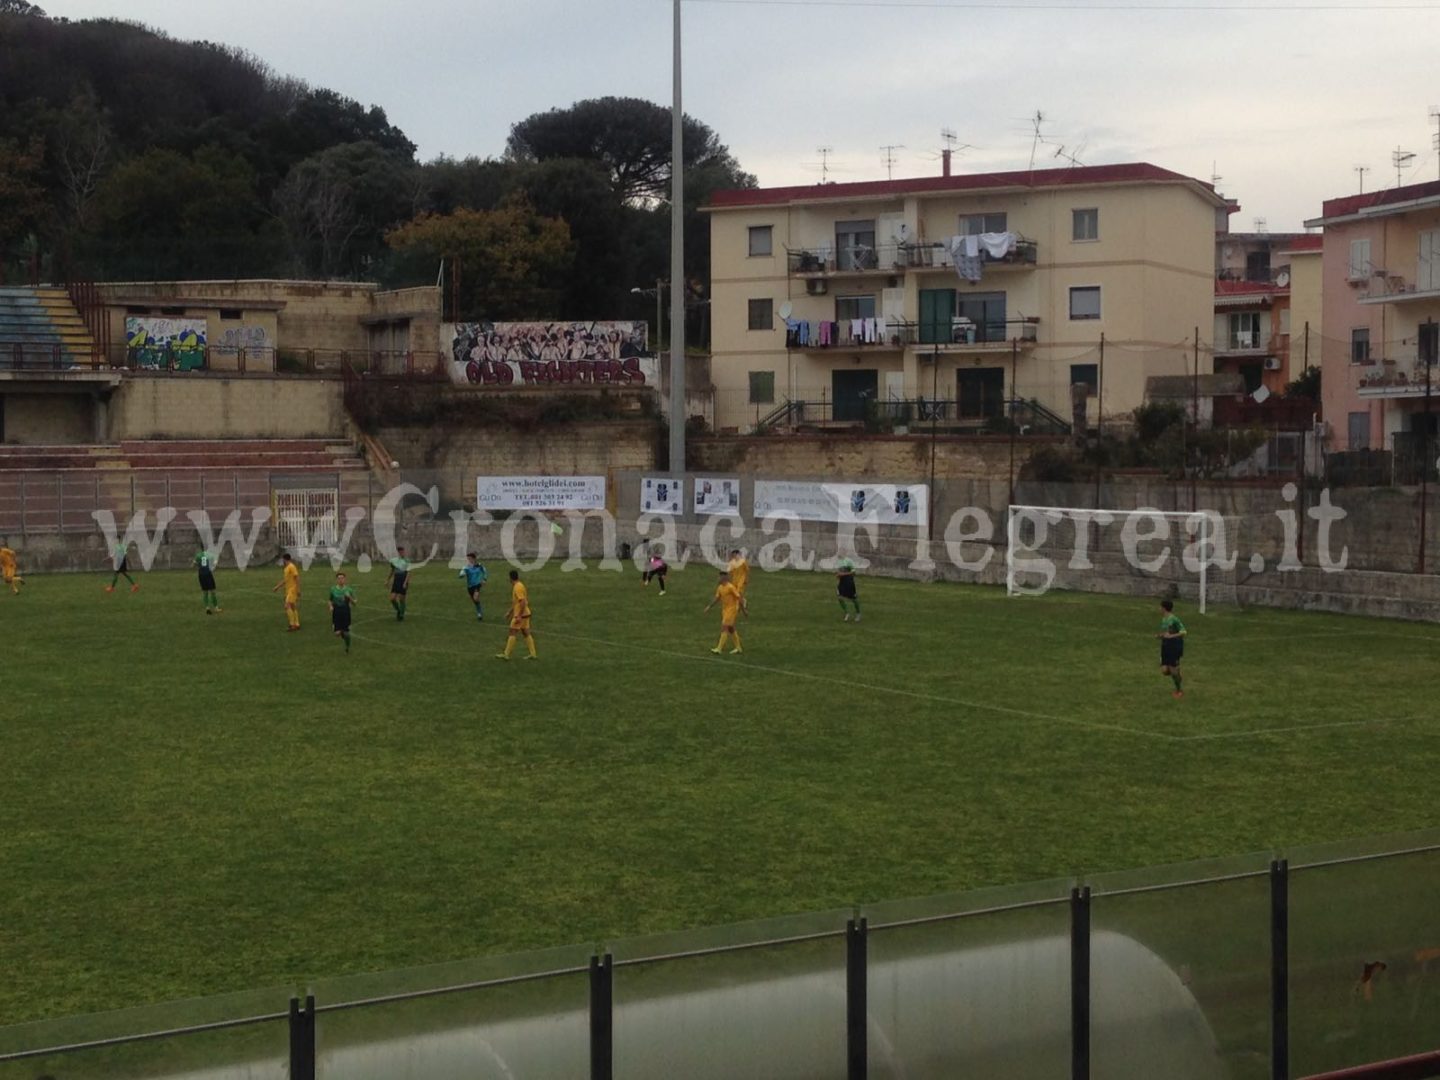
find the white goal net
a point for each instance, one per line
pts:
(1188, 554)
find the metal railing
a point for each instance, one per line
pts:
(890, 257)
(1119, 974)
(937, 254)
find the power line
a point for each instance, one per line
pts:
(1015, 5)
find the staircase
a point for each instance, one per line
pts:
(40, 328)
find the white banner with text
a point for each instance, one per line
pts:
(717, 495)
(540, 493)
(662, 495)
(882, 504)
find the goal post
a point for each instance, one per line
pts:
(1120, 551)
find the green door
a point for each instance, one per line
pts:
(854, 390)
(937, 315)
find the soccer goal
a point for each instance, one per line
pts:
(1189, 554)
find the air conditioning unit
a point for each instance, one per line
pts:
(1272, 363)
(817, 286)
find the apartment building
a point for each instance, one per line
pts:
(972, 296)
(1381, 281)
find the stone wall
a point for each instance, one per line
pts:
(47, 419)
(893, 457)
(201, 406)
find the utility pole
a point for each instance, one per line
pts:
(934, 421)
(1099, 417)
(889, 159)
(1435, 119)
(1360, 171)
(1195, 405)
(677, 266)
(1425, 452)
(1014, 349)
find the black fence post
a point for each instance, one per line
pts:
(602, 1018)
(302, 1039)
(1080, 983)
(857, 1012)
(1280, 969)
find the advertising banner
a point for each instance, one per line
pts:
(552, 354)
(881, 504)
(662, 495)
(540, 493)
(717, 495)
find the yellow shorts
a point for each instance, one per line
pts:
(728, 616)
(291, 597)
(520, 624)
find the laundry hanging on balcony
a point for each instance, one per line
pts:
(969, 253)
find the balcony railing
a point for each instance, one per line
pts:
(1395, 289)
(924, 256)
(1397, 378)
(1247, 342)
(889, 258)
(956, 335)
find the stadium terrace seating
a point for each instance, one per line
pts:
(41, 328)
(287, 455)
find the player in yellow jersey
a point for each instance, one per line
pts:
(732, 604)
(8, 573)
(739, 570)
(290, 582)
(519, 619)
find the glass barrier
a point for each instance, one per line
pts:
(1364, 957)
(775, 1010)
(515, 1028)
(1180, 974)
(986, 994)
(252, 1051)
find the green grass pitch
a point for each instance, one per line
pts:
(194, 805)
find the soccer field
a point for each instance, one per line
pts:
(200, 804)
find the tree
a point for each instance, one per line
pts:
(630, 138)
(23, 204)
(83, 147)
(20, 7)
(1305, 385)
(510, 258)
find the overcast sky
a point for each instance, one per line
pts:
(1281, 103)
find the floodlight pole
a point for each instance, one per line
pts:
(677, 267)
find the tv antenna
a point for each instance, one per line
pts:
(1402, 160)
(1036, 121)
(1215, 176)
(889, 159)
(1262, 227)
(824, 152)
(1435, 119)
(1360, 171)
(1073, 157)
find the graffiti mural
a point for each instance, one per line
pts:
(538, 354)
(172, 343)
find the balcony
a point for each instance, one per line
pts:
(1243, 345)
(1404, 378)
(825, 260)
(960, 336)
(936, 256)
(1393, 289)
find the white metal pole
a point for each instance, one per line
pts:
(677, 267)
(1204, 558)
(1010, 552)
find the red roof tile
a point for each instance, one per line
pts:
(1038, 178)
(1353, 204)
(1306, 242)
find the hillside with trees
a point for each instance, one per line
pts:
(126, 154)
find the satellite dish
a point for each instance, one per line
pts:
(1283, 279)
(1261, 395)
(787, 309)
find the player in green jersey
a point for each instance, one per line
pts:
(845, 588)
(398, 582)
(205, 568)
(1172, 645)
(122, 569)
(342, 600)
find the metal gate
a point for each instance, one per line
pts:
(307, 518)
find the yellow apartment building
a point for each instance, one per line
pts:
(967, 295)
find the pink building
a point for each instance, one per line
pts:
(1381, 284)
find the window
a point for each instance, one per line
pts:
(975, 224)
(1427, 270)
(230, 314)
(1429, 342)
(1257, 266)
(762, 388)
(760, 239)
(1360, 345)
(1359, 431)
(1085, 302)
(855, 245)
(1359, 260)
(854, 307)
(1285, 321)
(1087, 375)
(1244, 330)
(1085, 224)
(762, 314)
(1254, 375)
(985, 313)
(137, 310)
(172, 311)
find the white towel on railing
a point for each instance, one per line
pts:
(997, 244)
